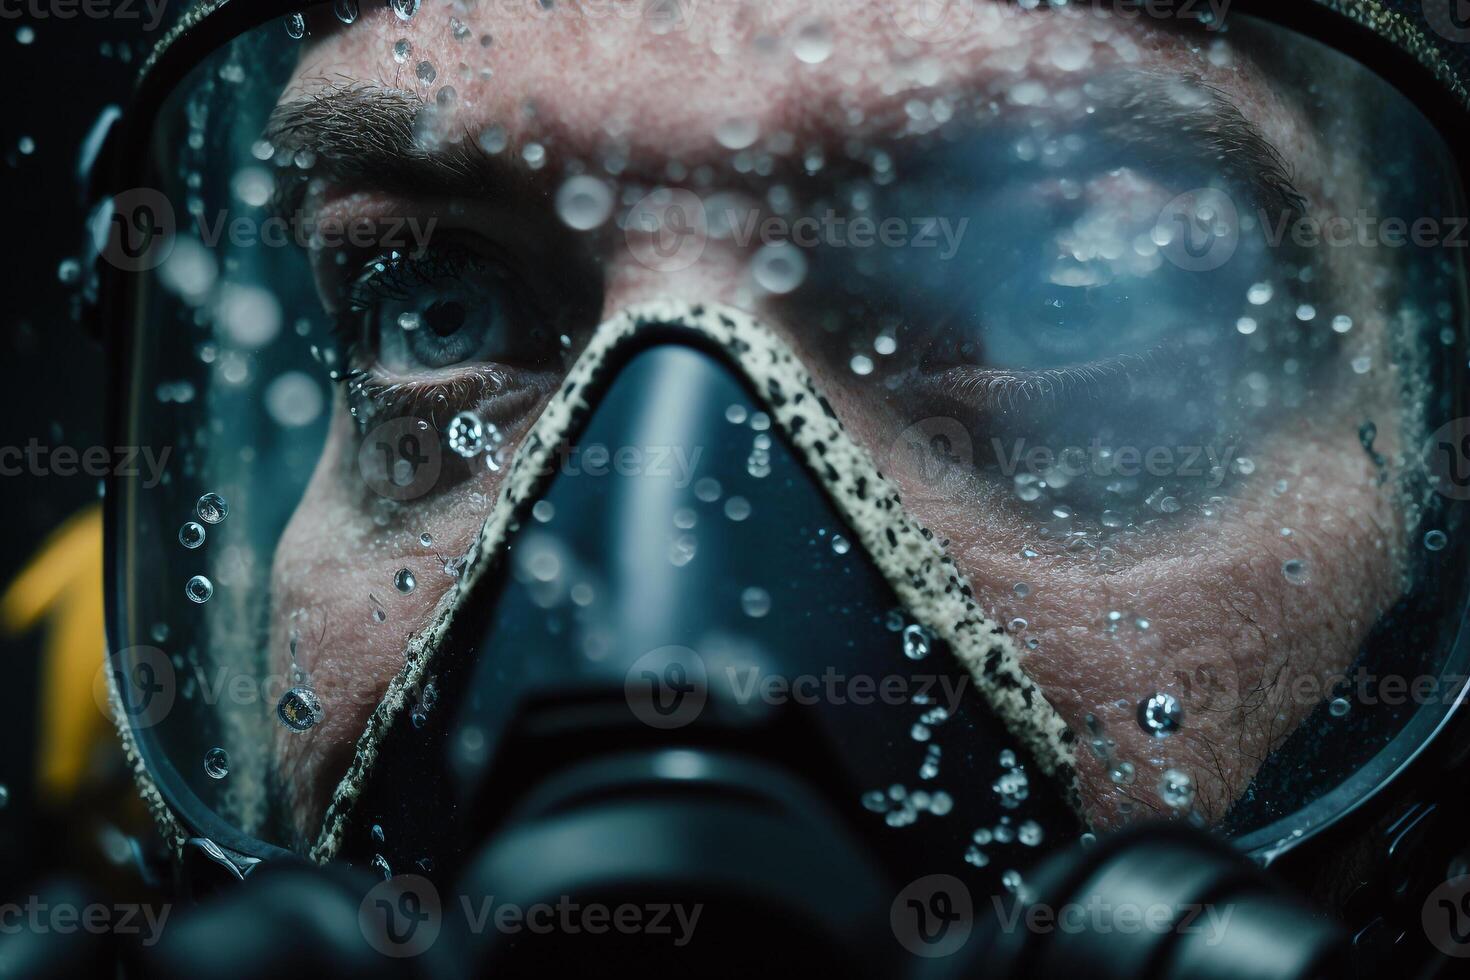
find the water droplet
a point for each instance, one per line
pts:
(1122, 774)
(404, 581)
(346, 10)
(1160, 714)
(737, 133)
(1339, 707)
(778, 267)
(1176, 789)
(861, 364)
(583, 202)
(1030, 833)
(840, 545)
(1435, 540)
(191, 535)
(217, 763)
(1021, 589)
(199, 589)
(426, 72)
(1259, 294)
(405, 9)
(736, 414)
(737, 508)
(1296, 571)
(1017, 625)
(917, 642)
(296, 26)
(707, 489)
(813, 44)
(755, 602)
(493, 138)
(426, 539)
(212, 508)
(466, 434)
(1342, 323)
(299, 709)
(543, 511)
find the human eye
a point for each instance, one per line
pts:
(447, 328)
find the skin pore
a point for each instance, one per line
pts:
(1195, 599)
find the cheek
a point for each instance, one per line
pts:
(1201, 608)
(337, 603)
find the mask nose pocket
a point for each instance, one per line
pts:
(681, 613)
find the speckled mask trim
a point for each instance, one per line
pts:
(164, 819)
(909, 556)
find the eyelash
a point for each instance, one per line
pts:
(992, 392)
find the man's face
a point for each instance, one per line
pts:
(1147, 460)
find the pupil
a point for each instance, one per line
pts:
(444, 318)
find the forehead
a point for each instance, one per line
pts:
(580, 75)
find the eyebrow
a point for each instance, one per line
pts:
(364, 135)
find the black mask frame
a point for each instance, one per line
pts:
(1403, 823)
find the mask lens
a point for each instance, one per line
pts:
(1159, 326)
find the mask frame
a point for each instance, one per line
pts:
(1369, 31)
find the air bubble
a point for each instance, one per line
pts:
(1160, 714)
(1339, 707)
(737, 508)
(299, 709)
(191, 535)
(583, 202)
(1435, 540)
(405, 9)
(755, 602)
(404, 581)
(493, 138)
(466, 434)
(212, 508)
(217, 763)
(813, 44)
(778, 268)
(199, 589)
(1296, 570)
(1176, 789)
(840, 545)
(296, 27)
(917, 642)
(737, 133)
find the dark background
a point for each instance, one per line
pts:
(53, 370)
